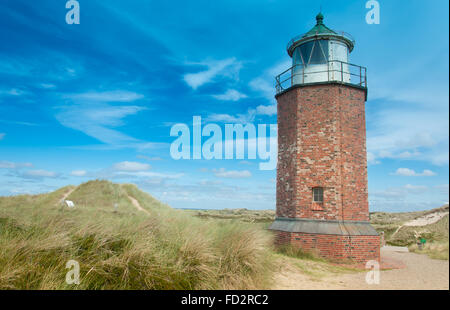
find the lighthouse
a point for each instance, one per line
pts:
(322, 198)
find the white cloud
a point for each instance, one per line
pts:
(131, 166)
(2, 135)
(96, 120)
(410, 172)
(12, 92)
(415, 189)
(229, 67)
(39, 173)
(47, 85)
(419, 134)
(78, 173)
(230, 95)
(233, 174)
(266, 109)
(411, 118)
(148, 157)
(227, 118)
(18, 123)
(107, 96)
(11, 165)
(371, 159)
(264, 85)
(149, 174)
(398, 193)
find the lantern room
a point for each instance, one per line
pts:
(321, 55)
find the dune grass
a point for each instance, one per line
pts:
(124, 248)
(315, 267)
(436, 232)
(436, 250)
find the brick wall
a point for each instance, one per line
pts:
(358, 249)
(322, 142)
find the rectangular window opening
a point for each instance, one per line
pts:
(318, 194)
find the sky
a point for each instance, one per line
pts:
(98, 99)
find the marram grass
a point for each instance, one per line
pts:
(124, 248)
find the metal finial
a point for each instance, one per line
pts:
(319, 18)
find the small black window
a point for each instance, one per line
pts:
(319, 54)
(311, 53)
(318, 194)
(305, 51)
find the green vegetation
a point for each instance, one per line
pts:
(294, 252)
(309, 263)
(436, 232)
(124, 248)
(436, 250)
(245, 215)
(390, 222)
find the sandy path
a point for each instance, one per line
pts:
(422, 221)
(421, 272)
(64, 197)
(137, 204)
(426, 219)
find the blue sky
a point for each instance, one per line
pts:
(98, 99)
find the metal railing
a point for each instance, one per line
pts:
(333, 70)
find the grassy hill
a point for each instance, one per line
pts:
(124, 247)
(396, 233)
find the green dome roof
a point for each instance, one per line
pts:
(319, 28)
(320, 31)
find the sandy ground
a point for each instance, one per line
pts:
(137, 205)
(423, 221)
(419, 272)
(426, 220)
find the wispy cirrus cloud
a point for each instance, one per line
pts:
(99, 121)
(148, 157)
(232, 174)
(399, 193)
(23, 171)
(55, 66)
(47, 85)
(264, 86)
(78, 173)
(148, 174)
(2, 135)
(230, 95)
(228, 118)
(106, 96)
(38, 174)
(12, 122)
(419, 134)
(131, 166)
(12, 165)
(131, 170)
(12, 92)
(229, 68)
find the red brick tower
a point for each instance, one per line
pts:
(322, 201)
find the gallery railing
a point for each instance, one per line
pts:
(333, 70)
